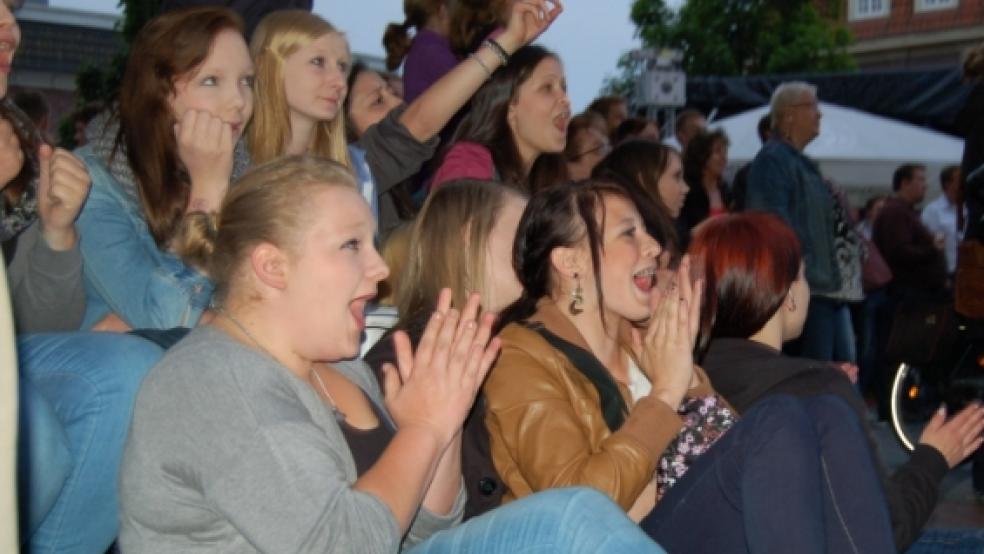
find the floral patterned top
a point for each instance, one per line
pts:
(705, 420)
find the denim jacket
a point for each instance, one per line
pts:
(124, 271)
(784, 182)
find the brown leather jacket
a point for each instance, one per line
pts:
(546, 425)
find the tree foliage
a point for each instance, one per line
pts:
(102, 84)
(741, 37)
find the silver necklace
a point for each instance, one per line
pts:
(339, 415)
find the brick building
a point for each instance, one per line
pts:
(895, 34)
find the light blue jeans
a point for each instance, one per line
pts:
(77, 394)
(949, 541)
(573, 521)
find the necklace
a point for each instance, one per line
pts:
(339, 415)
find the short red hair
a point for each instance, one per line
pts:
(749, 261)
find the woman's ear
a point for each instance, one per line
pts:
(567, 261)
(270, 265)
(790, 303)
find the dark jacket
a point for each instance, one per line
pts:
(908, 247)
(697, 205)
(744, 371)
(482, 483)
(972, 116)
(782, 181)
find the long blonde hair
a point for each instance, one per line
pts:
(448, 245)
(279, 35)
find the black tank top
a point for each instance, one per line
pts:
(367, 445)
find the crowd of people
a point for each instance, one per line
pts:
(584, 338)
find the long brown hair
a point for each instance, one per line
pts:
(396, 41)
(168, 47)
(472, 21)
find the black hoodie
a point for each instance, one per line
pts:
(743, 372)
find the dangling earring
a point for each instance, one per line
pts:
(577, 297)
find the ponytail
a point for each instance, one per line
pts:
(194, 239)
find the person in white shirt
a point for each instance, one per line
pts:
(940, 215)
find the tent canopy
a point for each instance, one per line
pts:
(858, 150)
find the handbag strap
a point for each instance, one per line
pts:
(613, 406)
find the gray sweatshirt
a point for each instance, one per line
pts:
(230, 452)
(45, 285)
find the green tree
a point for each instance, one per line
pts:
(102, 84)
(741, 37)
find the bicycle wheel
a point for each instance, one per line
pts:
(910, 405)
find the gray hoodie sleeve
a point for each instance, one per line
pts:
(45, 285)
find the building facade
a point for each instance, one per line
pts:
(896, 34)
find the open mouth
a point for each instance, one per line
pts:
(561, 122)
(645, 279)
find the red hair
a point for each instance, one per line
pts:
(749, 261)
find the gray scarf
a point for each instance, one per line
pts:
(17, 215)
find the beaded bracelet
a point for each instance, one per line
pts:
(497, 48)
(481, 64)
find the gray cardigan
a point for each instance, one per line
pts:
(45, 285)
(230, 452)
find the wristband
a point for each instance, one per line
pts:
(497, 48)
(485, 68)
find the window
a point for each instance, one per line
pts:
(869, 9)
(933, 5)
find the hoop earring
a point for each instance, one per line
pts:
(577, 297)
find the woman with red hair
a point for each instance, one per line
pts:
(756, 299)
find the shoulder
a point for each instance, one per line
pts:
(525, 356)
(465, 160)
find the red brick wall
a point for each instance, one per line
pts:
(904, 19)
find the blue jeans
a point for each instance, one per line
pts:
(77, 394)
(949, 541)
(828, 334)
(793, 475)
(573, 520)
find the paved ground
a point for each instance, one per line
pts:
(959, 506)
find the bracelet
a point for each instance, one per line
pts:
(497, 48)
(485, 68)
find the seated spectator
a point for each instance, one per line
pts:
(740, 184)
(75, 390)
(757, 299)
(636, 128)
(163, 161)
(516, 118)
(656, 171)
(688, 123)
(427, 56)
(704, 162)
(914, 255)
(586, 146)
(252, 436)
(293, 119)
(944, 216)
(462, 239)
(580, 397)
(615, 110)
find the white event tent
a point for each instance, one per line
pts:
(857, 150)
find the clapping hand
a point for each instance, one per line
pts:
(665, 348)
(434, 388)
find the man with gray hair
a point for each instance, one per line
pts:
(783, 181)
